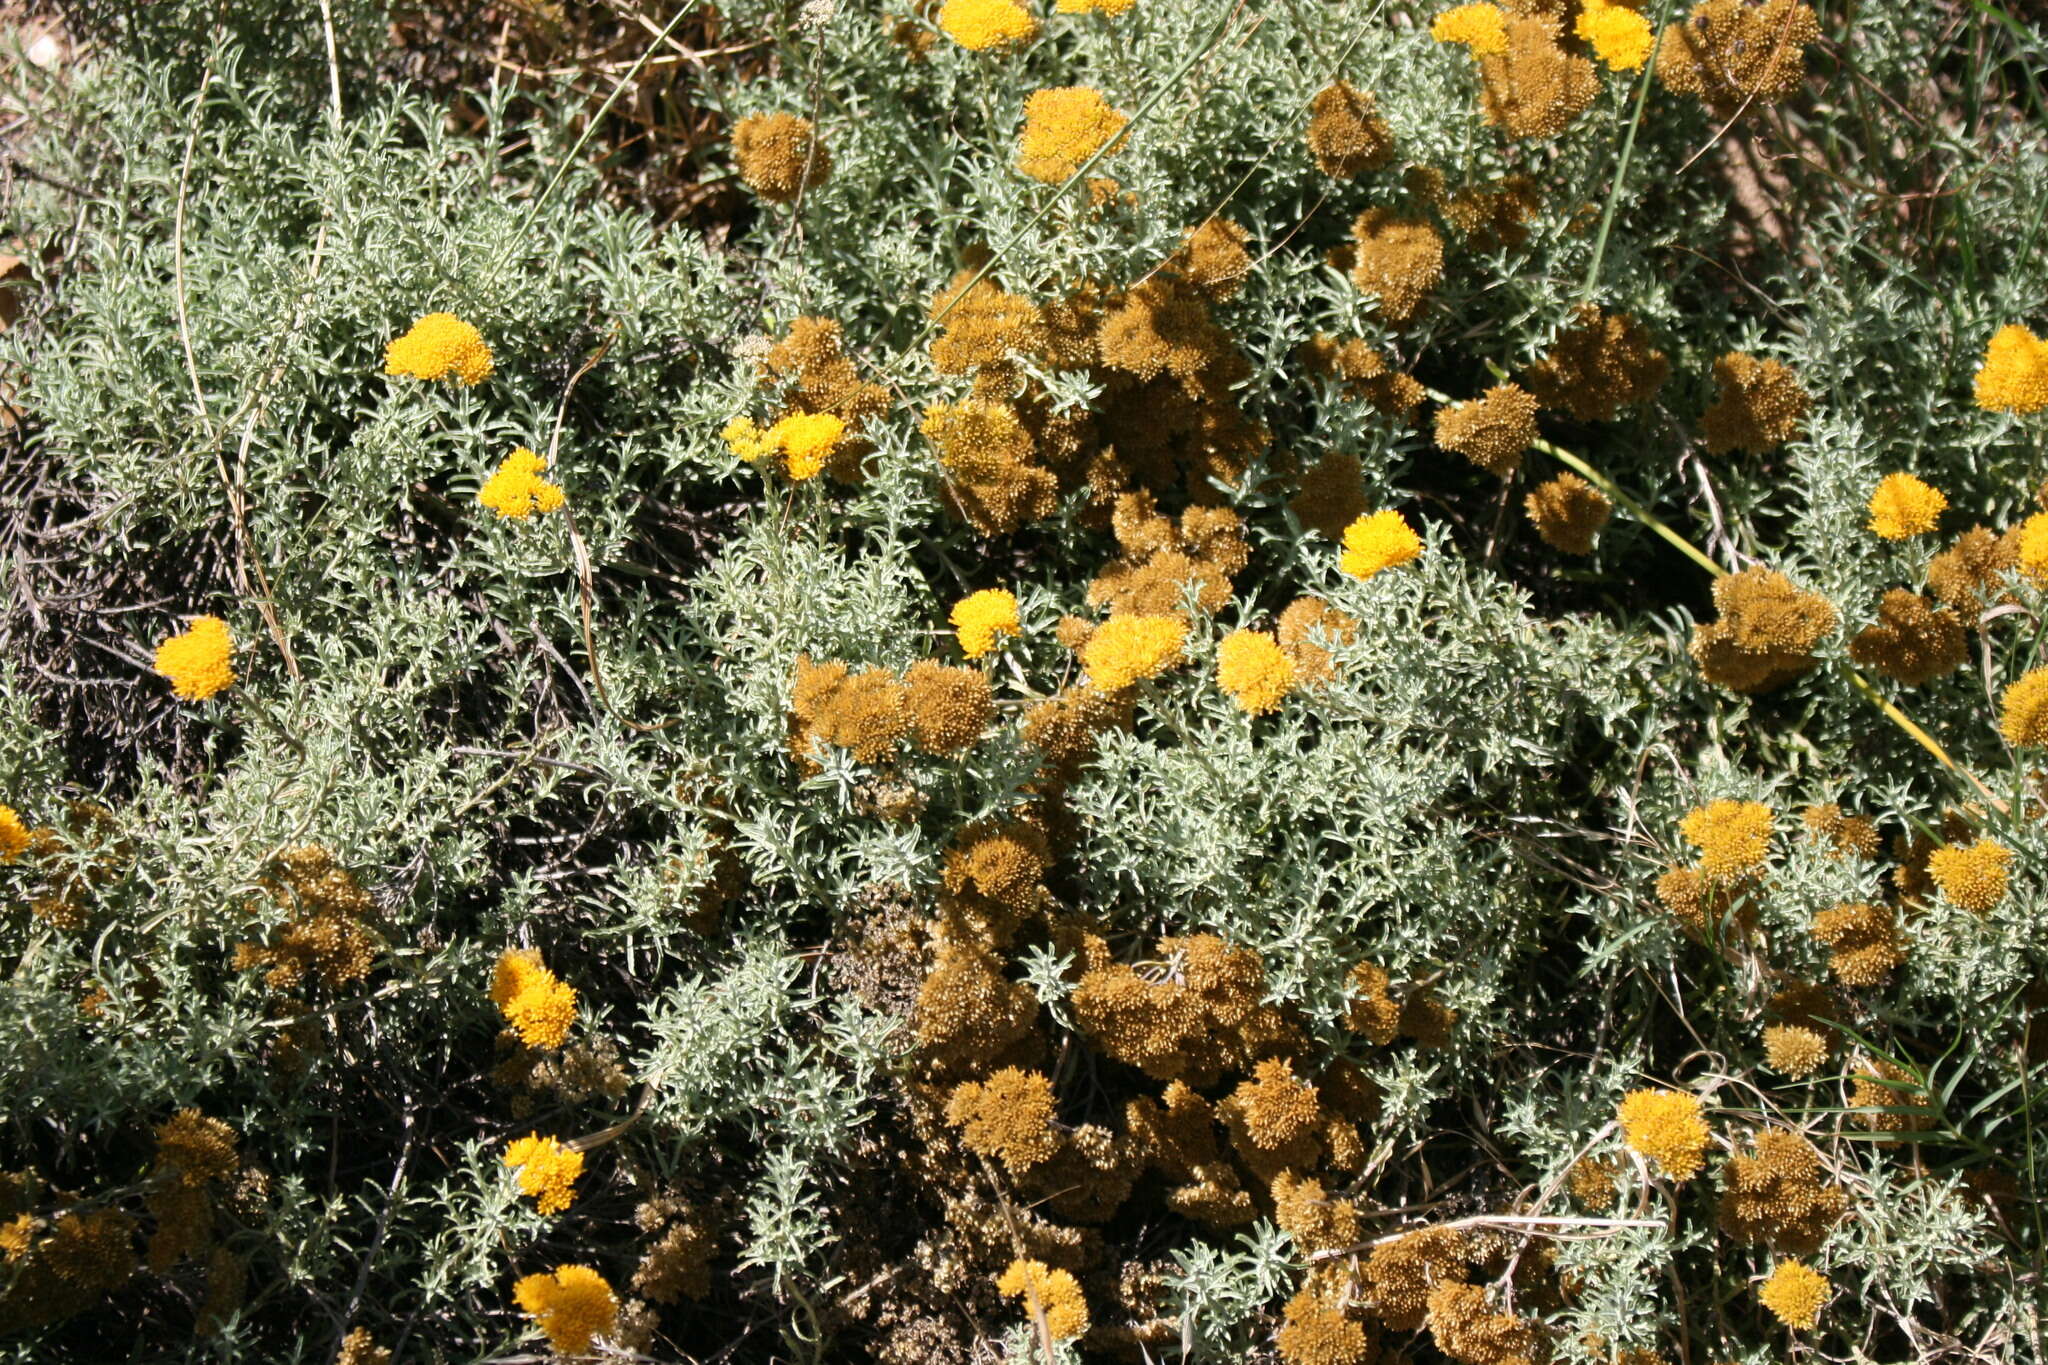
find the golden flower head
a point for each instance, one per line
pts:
(547, 1170)
(1254, 670)
(1794, 1049)
(1379, 540)
(744, 437)
(1051, 1292)
(538, 1005)
(987, 25)
(2032, 546)
(440, 346)
(1666, 1126)
(2014, 374)
(1864, 943)
(572, 1307)
(1063, 127)
(516, 489)
(200, 661)
(1127, 649)
(1903, 506)
(14, 835)
(779, 155)
(2024, 709)
(807, 440)
(1733, 837)
(1482, 28)
(1795, 1293)
(1972, 877)
(1618, 35)
(980, 619)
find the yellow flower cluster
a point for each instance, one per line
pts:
(2032, 549)
(516, 489)
(539, 1005)
(547, 1170)
(1794, 1293)
(1063, 127)
(805, 440)
(1052, 1292)
(1973, 878)
(14, 835)
(1128, 649)
(1618, 35)
(1903, 506)
(1378, 540)
(2024, 708)
(1733, 837)
(199, 662)
(2014, 374)
(980, 618)
(1482, 28)
(1667, 1127)
(1254, 670)
(572, 1307)
(440, 346)
(985, 25)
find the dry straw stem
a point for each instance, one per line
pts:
(237, 498)
(581, 552)
(1530, 1224)
(1650, 519)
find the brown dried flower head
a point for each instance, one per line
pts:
(993, 478)
(1766, 631)
(1492, 430)
(1396, 260)
(1535, 88)
(1568, 513)
(1599, 365)
(1913, 641)
(861, 712)
(1760, 406)
(1967, 574)
(1212, 258)
(1346, 134)
(949, 707)
(1734, 53)
(1303, 630)
(780, 155)
(1007, 1118)
(1364, 372)
(1398, 1277)
(1775, 1195)
(1845, 835)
